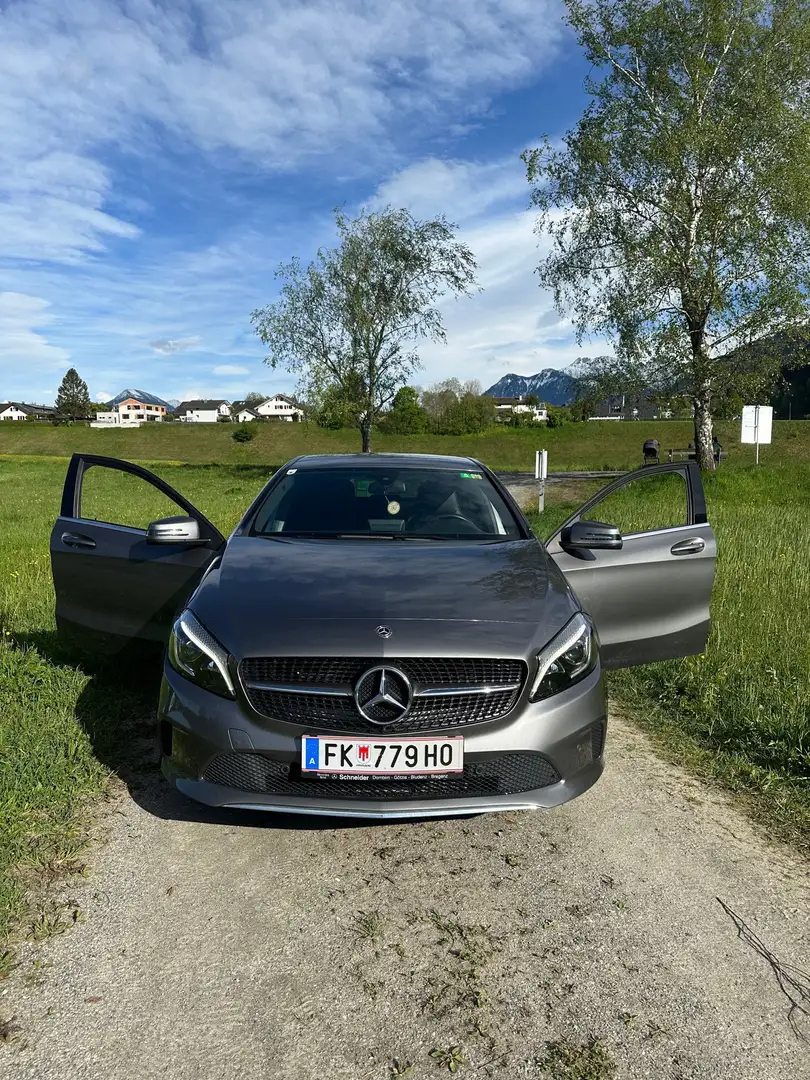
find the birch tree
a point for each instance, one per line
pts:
(350, 323)
(679, 205)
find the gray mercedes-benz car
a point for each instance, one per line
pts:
(383, 635)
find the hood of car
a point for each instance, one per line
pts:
(329, 597)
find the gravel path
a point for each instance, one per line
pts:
(587, 942)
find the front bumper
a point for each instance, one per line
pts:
(196, 727)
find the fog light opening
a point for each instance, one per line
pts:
(166, 738)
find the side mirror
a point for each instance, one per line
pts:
(590, 534)
(174, 530)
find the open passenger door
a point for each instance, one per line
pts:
(648, 590)
(118, 583)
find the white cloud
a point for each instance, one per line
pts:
(21, 317)
(231, 369)
(105, 395)
(511, 325)
(460, 190)
(166, 346)
(271, 82)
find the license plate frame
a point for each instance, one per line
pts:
(332, 763)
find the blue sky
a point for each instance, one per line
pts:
(161, 158)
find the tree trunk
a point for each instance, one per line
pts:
(365, 432)
(704, 451)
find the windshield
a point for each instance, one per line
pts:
(377, 500)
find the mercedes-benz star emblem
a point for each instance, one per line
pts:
(384, 631)
(383, 695)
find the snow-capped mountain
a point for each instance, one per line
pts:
(552, 386)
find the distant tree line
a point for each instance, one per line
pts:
(450, 407)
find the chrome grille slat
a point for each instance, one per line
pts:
(312, 692)
(295, 688)
(453, 690)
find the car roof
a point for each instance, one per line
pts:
(329, 461)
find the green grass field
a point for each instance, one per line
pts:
(738, 714)
(597, 445)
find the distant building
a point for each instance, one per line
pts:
(631, 407)
(281, 406)
(242, 413)
(132, 408)
(19, 410)
(506, 407)
(202, 412)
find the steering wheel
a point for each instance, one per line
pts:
(449, 516)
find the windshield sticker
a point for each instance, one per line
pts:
(471, 476)
(291, 471)
(393, 507)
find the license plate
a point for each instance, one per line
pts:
(382, 757)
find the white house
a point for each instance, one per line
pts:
(132, 408)
(244, 415)
(202, 412)
(18, 410)
(505, 407)
(281, 406)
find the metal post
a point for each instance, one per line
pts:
(540, 472)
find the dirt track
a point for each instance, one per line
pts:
(245, 946)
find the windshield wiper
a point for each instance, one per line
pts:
(312, 534)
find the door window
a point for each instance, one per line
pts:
(119, 498)
(645, 504)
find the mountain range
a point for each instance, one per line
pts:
(551, 386)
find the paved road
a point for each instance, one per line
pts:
(241, 947)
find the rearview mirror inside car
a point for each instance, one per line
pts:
(174, 530)
(590, 534)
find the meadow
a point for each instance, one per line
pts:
(738, 715)
(597, 445)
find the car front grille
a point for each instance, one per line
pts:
(345, 671)
(318, 691)
(501, 774)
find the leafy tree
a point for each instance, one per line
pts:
(338, 404)
(72, 398)
(679, 205)
(406, 416)
(471, 414)
(532, 400)
(456, 408)
(352, 318)
(253, 399)
(557, 416)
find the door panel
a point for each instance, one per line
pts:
(649, 599)
(111, 585)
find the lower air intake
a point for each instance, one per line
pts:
(501, 774)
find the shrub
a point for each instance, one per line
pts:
(557, 416)
(243, 434)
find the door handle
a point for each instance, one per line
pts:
(692, 546)
(70, 539)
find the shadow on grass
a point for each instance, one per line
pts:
(241, 472)
(117, 709)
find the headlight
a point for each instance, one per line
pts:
(199, 656)
(567, 658)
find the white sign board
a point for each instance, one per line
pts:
(757, 421)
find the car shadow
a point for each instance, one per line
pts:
(117, 710)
